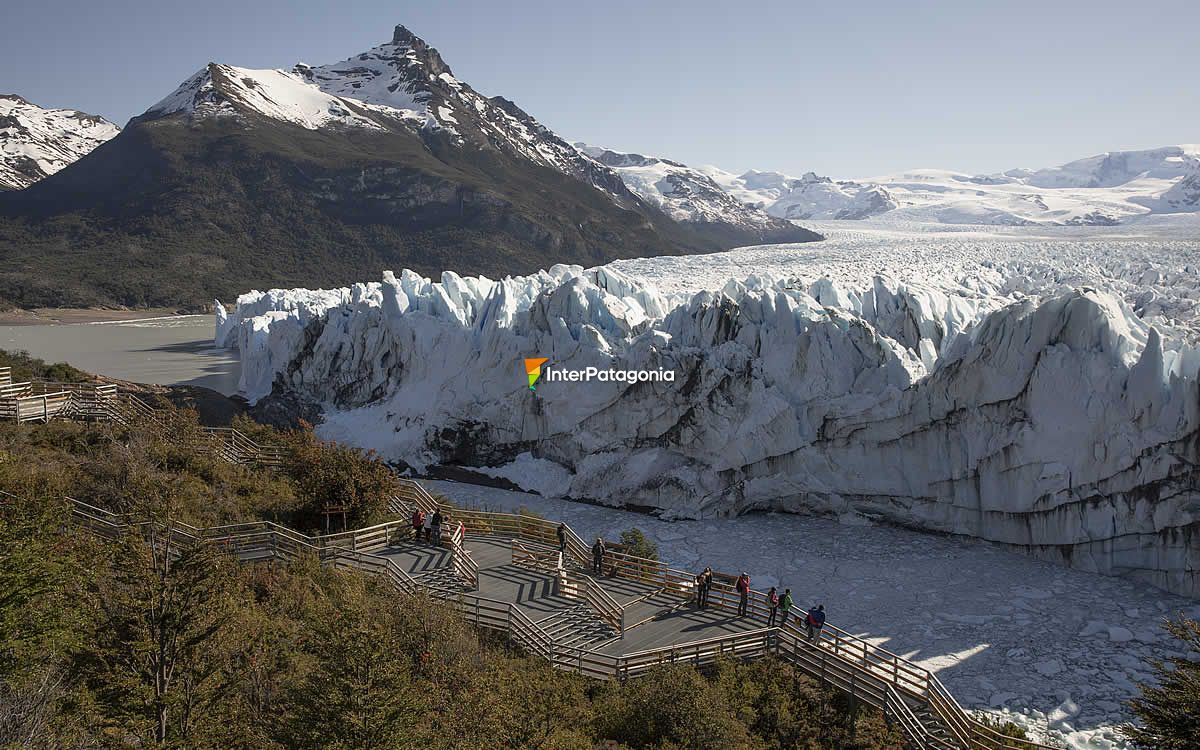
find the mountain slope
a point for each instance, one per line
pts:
(36, 142)
(692, 197)
(248, 178)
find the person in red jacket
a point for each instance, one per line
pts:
(773, 606)
(743, 589)
(418, 522)
(814, 622)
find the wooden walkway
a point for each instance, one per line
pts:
(505, 578)
(504, 572)
(44, 401)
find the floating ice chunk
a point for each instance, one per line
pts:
(1049, 667)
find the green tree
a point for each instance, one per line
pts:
(523, 703)
(1169, 712)
(25, 367)
(163, 658)
(35, 569)
(638, 545)
(359, 689)
(328, 476)
(39, 625)
(670, 707)
(786, 710)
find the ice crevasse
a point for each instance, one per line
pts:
(1057, 421)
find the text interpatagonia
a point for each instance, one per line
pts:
(556, 375)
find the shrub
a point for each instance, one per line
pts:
(638, 545)
(329, 477)
(1169, 712)
(24, 367)
(1006, 728)
(672, 706)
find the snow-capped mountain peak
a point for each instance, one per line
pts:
(36, 142)
(1109, 188)
(219, 90)
(684, 193)
(807, 197)
(1114, 168)
(403, 83)
(404, 75)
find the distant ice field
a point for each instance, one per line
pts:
(855, 251)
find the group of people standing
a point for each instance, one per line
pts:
(428, 526)
(781, 606)
(778, 607)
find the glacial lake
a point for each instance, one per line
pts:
(175, 350)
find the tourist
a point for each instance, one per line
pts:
(418, 522)
(562, 537)
(700, 590)
(436, 527)
(706, 589)
(814, 622)
(785, 604)
(598, 550)
(428, 524)
(743, 589)
(772, 606)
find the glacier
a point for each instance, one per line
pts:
(1012, 402)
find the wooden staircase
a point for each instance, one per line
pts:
(577, 626)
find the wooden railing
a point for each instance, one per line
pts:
(460, 557)
(35, 408)
(368, 538)
(15, 390)
(42, 401)
(136, 407)
(602, 603)
(260, 540)
(754, 644)
(898, 710)
(544, 560)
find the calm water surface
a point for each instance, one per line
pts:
(176, 350)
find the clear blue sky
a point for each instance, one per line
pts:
(846, 89)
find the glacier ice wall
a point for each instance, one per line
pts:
(1005, 406)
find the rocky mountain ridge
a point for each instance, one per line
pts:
(36, 142)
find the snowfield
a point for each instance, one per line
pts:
(1033, 388)
(1103, 190)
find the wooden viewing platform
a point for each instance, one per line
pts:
(504, 572)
